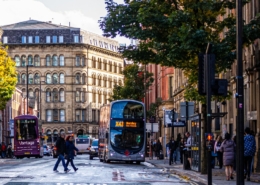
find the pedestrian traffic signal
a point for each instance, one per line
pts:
(220, 87)
(209, 136)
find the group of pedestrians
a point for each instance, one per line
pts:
(65, 149)
(6, 151)
(226, 154)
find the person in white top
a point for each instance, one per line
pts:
(188, 146)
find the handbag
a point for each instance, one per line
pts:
(214, 154)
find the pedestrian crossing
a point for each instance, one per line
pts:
(80, 184)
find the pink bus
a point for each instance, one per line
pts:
(27, 137)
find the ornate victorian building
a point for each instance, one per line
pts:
(71, 73)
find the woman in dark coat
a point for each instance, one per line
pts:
(70, 150)
(228, 149)
(158, 148)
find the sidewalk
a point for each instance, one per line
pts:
(218, 175)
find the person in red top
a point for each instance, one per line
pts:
(3, 148)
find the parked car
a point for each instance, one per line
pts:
(47, 150)
(93, 149)
(54, 152)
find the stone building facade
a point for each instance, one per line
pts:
(71, 76)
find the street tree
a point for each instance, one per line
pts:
(173, 33)
(136, 82)
(8, 77)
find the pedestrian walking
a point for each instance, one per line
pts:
(3, 149)
(158, 148)
(70, 149)
(188, 148)
(213, 154)
(252, 164)
(228, 149)
(235, 141)
(181, 150)
(9, 151)
(61, 150)
(172, 147)
(218, 152)
(249, 152)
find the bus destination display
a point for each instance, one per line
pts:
(128, 124)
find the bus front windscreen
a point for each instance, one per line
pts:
(26, 129)
(127, 139)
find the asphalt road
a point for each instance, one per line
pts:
(91, 172)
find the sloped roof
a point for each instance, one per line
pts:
(34, 24)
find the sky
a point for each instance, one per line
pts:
(83, 14)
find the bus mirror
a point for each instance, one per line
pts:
(106, 135)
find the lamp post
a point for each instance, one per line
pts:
(40, 102)
(27, 96)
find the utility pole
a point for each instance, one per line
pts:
(240, 97)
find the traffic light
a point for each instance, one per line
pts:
(209, 136)
(220, 87)
(202, 75)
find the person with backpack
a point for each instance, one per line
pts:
(70, 149)
(61, 150)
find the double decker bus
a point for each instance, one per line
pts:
(122, 132)
(27, 137)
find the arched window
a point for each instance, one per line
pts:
(36, 93)
(93, 79)
(62, 78)
(99, 80)
(31, 94)
(48, 133)
(30, 60)
(105, 81)
(55, 78)
(48, 78)
(37, 60)
(77, 78)
(48, 95)
(48, 60)
(23, 78)
(62, 94)
(83, 78)
(55, 95)
(18, 78)
(61, 60)
(30, 78)
(23, 60)
(54, 60)
(36, 78)
(17, 61)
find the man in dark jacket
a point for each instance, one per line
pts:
(61, 150)
(249, 151)
(172, 147)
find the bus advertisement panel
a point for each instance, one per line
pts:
(122, 131)
(27, 140)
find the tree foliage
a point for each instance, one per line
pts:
(136, 82)
(8, 77)
(174, 32)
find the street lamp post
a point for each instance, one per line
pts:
(40, 102)
(27, 96)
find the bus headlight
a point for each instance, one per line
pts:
(141, 154)
(112, 153)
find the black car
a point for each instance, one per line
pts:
(93, 149)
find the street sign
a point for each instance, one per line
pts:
(150, 125)
(168, 118)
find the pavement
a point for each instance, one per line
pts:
(218, 175)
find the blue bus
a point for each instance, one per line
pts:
(122, 132)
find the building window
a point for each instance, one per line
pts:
(115, 68)
(55, 95)
(62, 115)
(30, 60)
(55, 115)
(23, 39)
(83, 95)
(83, 78)
(83, 113)
(48, 60)
(77, 60)
(36, 78)
(37, 39)
(36, 60)
(105, 64)
(77, 115)
(54, 39)
(48, 95)
(62, 94)
(77, 95)
(30, 39)
(48, 39)
(94, 97)
(55, 78)
(99, 97)
(5, 40)
(54, 60)
(76, 39)
(18, 78)
(61, 78)
(30, 78)
(105, 98)
(60, 39)
(49, 115)
(83, 60)
(99, 81)
(93, 79)
(77, 78)
(31, 94)
(110, 66)
(93, 62)
(23, 61)
(17, 61)
(48, 78)
(105, 81)
(93, 115)
(61, 60)
(23, 78)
